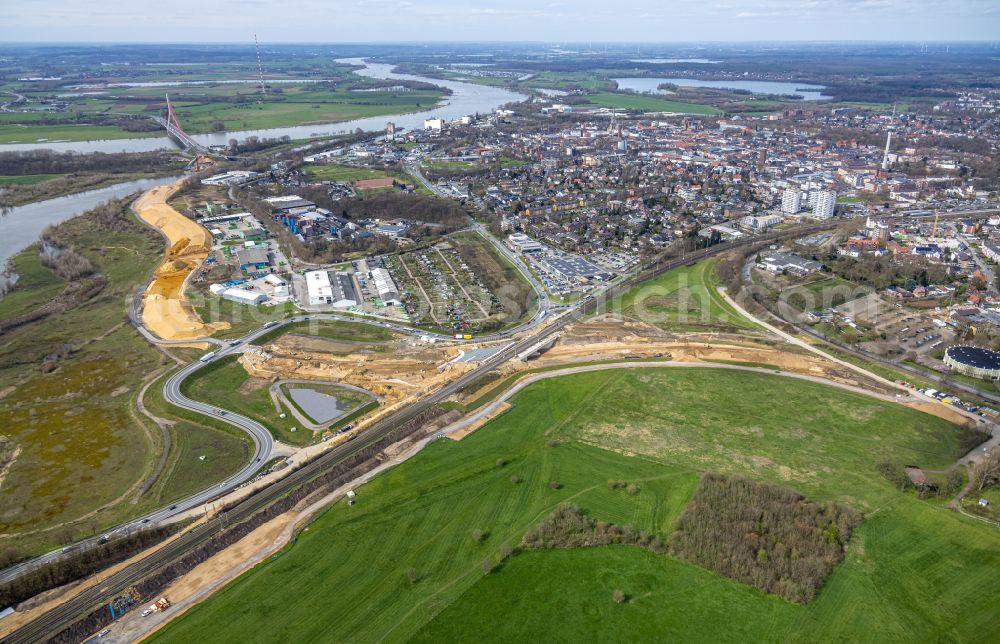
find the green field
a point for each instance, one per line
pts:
(913, 571)
(683, 299)
(27, 180)
(648, 104)
(207, 108)
(331, 330)
(227, 384)
(35, 285)
(823, 293)
(20, 133)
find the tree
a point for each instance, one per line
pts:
(619, 596)
(486, 566)
(986, 473)
(411, 574)
(477, 535)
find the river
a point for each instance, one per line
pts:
(22, 225)
(651, 86)
(466, 98)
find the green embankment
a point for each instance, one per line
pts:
(913, 571)
(683, 299)
(27, 180)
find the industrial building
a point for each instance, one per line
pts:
(231, 178)
(239, 295)
(386, 287)
(253, 259)
(788, 262)
(973, 361)
(335, 289)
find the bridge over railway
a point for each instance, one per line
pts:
(174, 129)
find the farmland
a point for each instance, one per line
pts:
(207, 108)
(414, 544)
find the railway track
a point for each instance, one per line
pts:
(59, 618)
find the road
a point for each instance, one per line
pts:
(58, 618)
(63, 615)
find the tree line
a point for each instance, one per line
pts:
(49, 162)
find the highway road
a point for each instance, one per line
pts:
(58, 618)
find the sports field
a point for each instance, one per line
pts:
(403, 563)
(683, 299)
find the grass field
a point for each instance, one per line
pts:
(332, 330)
(683, 299)
(913, 571)
(27, 180)
(822, 294)
(35, 286)
(20, 133)
(299, 104)
(242, 318)
(227, 384)
(648, 104)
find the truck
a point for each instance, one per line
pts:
(159, 605)
(271, 324)
(208, 356)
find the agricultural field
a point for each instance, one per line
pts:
(683, 299)
(206, 108)
(432, 544)
(27, 180)
(68, 386)
(648, 104)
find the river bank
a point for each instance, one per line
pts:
(465, 99)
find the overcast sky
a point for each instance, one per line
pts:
(508, 20)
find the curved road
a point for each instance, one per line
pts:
(263, 442)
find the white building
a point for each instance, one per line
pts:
(244, 296)
(386, 287)
(826, 202)
(523, 244)
(335, 289)
(231, 178)
(761, 222)
(433, 124)
(791, 201)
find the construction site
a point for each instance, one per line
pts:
(165, 310)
